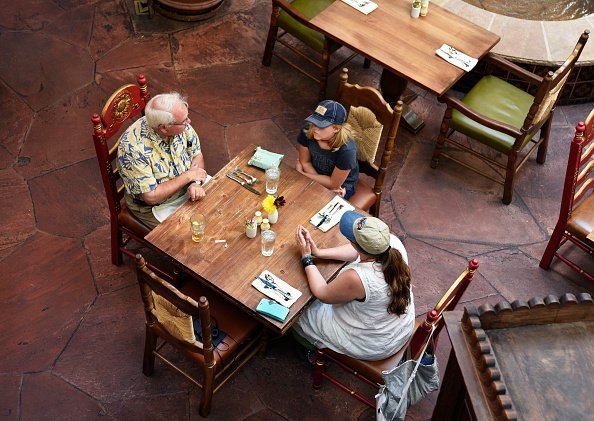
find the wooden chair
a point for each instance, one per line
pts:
(293, 18)
(169, 314)
(369, 114)
(125, 104)
(576, 218)
(505, 118)
(370, 372)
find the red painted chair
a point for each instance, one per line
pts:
(576, 218)
(370, 372)
(126, 104)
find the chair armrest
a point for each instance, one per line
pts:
(504, 64)
(295, 14)
(453, 102)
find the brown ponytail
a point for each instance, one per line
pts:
(397, 275)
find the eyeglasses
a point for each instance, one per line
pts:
(185, 123)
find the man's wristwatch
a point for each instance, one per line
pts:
(199, 182)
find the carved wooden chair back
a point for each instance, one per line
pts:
(123, 106)
(576, 216)
(370, 372)
(169, 318)
(369, 115)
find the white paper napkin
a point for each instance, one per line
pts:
(457, 58)
(291, 293)
(336, 207)
(162, 211)
(363, 6)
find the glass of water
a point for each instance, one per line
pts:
(197, 224)
(268, 238)
(272, 178)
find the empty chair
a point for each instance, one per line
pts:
(576, 217)
(504, 118)
(371, 371)
(292, 18)
(370, 117)
(169, 321)
(126, 104)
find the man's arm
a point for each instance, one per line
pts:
(167, 188)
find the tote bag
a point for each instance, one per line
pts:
(406, 384)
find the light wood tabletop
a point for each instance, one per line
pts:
(406, 46)
(230, 271)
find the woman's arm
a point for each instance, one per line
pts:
(345, 288)
(331, 182)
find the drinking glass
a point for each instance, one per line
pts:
(268, 238)
(197, 224)
(272, 178)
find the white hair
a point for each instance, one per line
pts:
(159, 110)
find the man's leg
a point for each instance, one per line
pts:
(142, 212)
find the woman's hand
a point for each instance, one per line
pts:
(299, 166)
(312, 244)
(340, 191)
(301, 240)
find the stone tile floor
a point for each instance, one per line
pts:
(72, 324)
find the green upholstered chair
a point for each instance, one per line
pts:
(292, 18)
(505, 118)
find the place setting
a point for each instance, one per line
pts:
(330, 214)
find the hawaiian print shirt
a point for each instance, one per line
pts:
(146, 160)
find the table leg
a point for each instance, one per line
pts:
(393, 87)
(451, 393)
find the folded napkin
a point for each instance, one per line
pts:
(265, 159)
(455, 57)
(162, 211)
(363, 6)
(331, 213)
(290, 294)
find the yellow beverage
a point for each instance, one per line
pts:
(197, 236)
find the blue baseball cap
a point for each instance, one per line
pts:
(371, 234)
(327, 113)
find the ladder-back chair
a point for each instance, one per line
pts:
(370, 372)
(169, 320)
(124, 105)
(503, 117)
(369, 114)
(576, 217)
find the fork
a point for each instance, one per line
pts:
(245, 178)
(455, 54)
(251, 177)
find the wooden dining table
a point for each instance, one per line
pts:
(229, 268)
(406, 46)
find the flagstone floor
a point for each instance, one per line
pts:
(72, 324)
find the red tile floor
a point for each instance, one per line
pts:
(72, 324)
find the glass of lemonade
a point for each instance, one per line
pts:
(197, 224)
(272, 179)
(268, 237)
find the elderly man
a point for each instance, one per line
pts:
(159, 157)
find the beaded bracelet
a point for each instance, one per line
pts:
(307, 260)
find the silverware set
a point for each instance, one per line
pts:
(327, 216)
(454, 54)
(244, 179)
(270, 283)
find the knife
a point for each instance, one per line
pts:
(244, 184)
